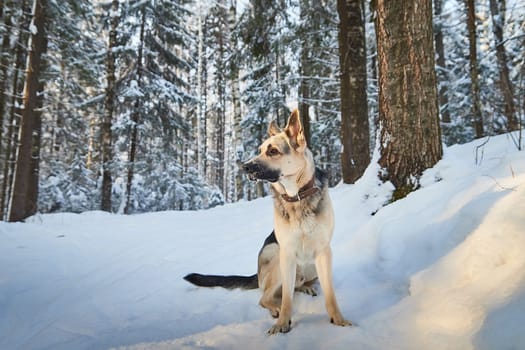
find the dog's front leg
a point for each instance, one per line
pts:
(323, 264)
(288, 266)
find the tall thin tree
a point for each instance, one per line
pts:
(109, 106)
(497, 8)
(355, 132)
(305, 72)
(4, 63)
(477, 116)
(25, 185)
(11, 136)
(441, 65)
(236, 101)
(135, 115)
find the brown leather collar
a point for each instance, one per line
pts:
(305, 191)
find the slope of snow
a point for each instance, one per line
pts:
(443, 268)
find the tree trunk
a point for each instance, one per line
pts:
(203, 94)
(4, 64)
(355, 132)
(408, 110)
(135, 117)
(236, 105)
(4, 76)
(11, 138)
(109, 102)
(477, 117)
(305, 71)
(25, 185)
(442, 73)
(221, 114)
(497, 8)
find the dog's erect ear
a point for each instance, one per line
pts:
(294, 130)
(273, 129)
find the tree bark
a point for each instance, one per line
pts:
(13, 123)
(135, 117)
(441, 73)
(221, 112)
(25, 185)
(305, 72)
(477, 117)
(355, 132)
(410, 137)
(4, 64)
(497, 8)
(236, 104)
(109, 102)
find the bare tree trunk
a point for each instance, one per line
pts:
(25, 185)
(221, 114)
(204, 97)
(93, 121)
(304, 88)
(109, 102)
(4, 64)
(441, 74)
(4, 77)
(355, 132)
(497, 8)
(477, 116)
(11, 138)
(135, 118)
(236, 104)
(408, 108)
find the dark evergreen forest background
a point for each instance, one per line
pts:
(145, 105)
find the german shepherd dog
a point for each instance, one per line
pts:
(298, 251)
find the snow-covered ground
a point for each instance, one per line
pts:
(443, 268)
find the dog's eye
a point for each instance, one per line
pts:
(272, 152)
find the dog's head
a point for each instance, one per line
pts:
(282, 154)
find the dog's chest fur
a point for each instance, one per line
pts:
(304, 227)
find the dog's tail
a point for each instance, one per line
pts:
(228, 282)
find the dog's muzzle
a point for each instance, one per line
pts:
(256, 171)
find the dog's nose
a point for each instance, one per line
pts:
(250, 167)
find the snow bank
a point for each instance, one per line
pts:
(443, 268)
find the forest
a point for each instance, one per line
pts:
(132, 106)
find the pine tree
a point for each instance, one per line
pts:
(313, 44)
(408, 109)
(234, 71)
(440, 61)
(497, 8)
(354, 110)
(155, 104)
(452, 23)
(73, 94)
(12, 112)
(25, 185)
(265, 94)
(109, 106)
(6, 33)
(216, 43)
(477, 117)
(305, 67)
(135, 114)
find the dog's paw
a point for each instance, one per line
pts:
(310, 290)
(274, 312)
(279, 327)
(340, 321)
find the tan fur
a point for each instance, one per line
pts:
(303, 229)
